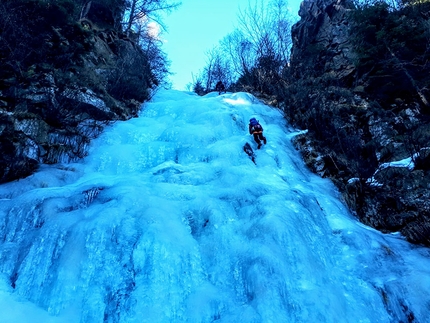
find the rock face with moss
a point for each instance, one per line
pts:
(360, 86)
(63, 76)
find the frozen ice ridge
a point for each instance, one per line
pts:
(168, 220)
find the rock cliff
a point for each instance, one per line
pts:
(52, 106)
(358, 136)
(320, 40)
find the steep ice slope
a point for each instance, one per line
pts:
(167, 220)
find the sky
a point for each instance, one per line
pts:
(168, 220)
(194, 29)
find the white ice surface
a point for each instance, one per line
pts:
(167, 220)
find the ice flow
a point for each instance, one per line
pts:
(168, 220)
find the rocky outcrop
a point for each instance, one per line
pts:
(356, 137)
(50, 113)
(320, 40)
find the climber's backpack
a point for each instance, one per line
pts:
(255, 125)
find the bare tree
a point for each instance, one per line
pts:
(268, 28)
(140, 12)
(239, 50)
(257, 51)
(218, 68)
(282, 21)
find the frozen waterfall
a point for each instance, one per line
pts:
(168, 220)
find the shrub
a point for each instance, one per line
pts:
(391, 44)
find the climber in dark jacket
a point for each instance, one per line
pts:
(220, 87)
(256, 130)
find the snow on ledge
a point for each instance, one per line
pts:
(406, 163)
(297, 133)
(373, 182)
(88, 97)
(353, 180)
